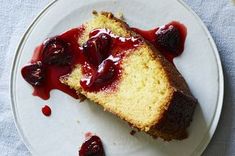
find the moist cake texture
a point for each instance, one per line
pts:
(151, 95)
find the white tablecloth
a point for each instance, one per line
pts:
(219, 17)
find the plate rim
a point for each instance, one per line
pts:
(220, 98)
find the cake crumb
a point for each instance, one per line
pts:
(120, 15)
(81, 97)
(132, 132)
(94, 12)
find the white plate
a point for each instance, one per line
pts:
(61, 134)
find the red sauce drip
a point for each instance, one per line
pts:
(92, 147)
(46, 110)
(88, 135)
(168, 39)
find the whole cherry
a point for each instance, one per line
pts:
(92, 147)
(168, 38)
(34, 73)
(56, 52)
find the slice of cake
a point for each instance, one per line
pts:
(127, 76)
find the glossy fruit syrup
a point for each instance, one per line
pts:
(168, 39)
(92, 147)
(99, 57)
(51, 60)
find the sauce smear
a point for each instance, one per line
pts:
(46, 110)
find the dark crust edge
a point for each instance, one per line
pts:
(176, 119)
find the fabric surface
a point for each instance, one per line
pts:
(219, 17)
